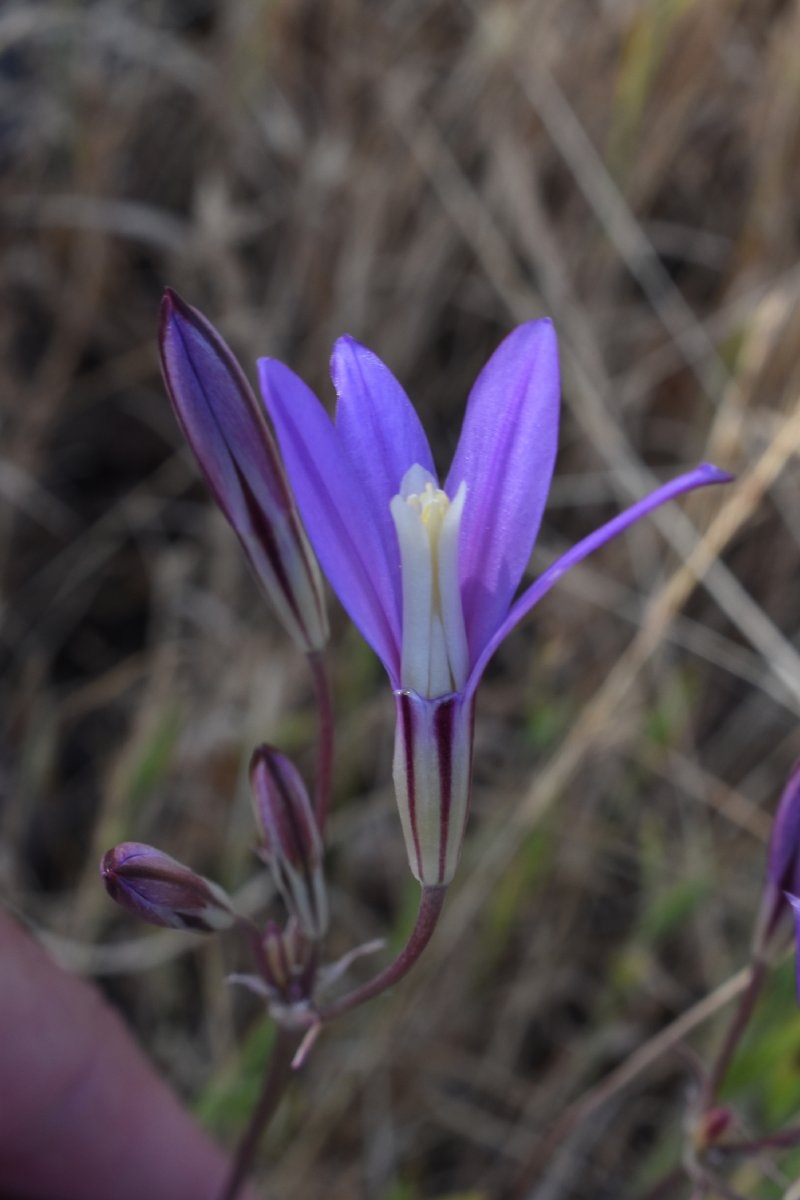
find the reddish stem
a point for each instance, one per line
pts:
(276, 1078)
(430, 907)
(784, 1139)
(741, 1018)
(325, 741)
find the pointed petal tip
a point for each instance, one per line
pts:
(346, 346)
(165, 314)
(175, 314)
(172, 304)
(713, 474)
(538, 327)
(348, 342)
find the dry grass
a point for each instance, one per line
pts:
(423, 176)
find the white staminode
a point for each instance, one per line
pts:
(435, 657)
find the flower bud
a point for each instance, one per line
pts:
(432, 773)
(292, 845)
(286, 958)
(162, 891)
(227, 430)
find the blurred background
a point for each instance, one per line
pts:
(423, 176)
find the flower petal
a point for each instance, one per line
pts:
(505, 455)
(783, 865)
(378, 427)
(339, 525)
(701, 476)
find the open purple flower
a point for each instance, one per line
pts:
(428, 573)
(783, 861)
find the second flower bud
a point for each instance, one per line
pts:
(291, 842)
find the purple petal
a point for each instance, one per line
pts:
(783, 865)
(506, 456)
(795, 903)
(380, 431)
(701, 476)
(339, 524)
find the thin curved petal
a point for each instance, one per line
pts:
(701, 476)
(506, 456)
(339, 525)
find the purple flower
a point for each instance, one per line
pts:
(783, 866)
(429, 573)
(783, 861)
(225, 426)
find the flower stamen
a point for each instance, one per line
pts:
(435, 658)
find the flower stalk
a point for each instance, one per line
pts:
(430, 909)
(277, 1077)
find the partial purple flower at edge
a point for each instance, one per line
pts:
(225, 426)
(783, 864)
(429, 573)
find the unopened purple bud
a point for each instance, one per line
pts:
(227, 430)
(432, 776)
(292, 845)
(783, 861)
(162, 891)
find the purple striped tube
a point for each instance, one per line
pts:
(432, 774)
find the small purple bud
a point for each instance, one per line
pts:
(292, 845)
(783, 861)
(162, 891)
(227, 430)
